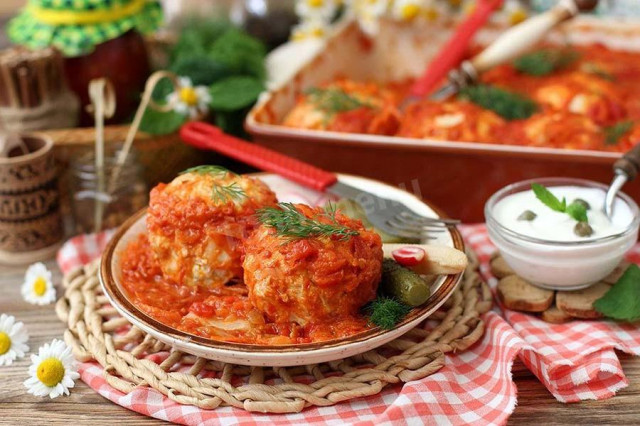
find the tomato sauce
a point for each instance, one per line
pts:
(224, 314)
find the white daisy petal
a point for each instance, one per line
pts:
(13, 339)
(38, 286)
(53, 371)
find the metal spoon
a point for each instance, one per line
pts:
(625, 169)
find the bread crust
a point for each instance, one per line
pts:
(520, 295)
(579, 303)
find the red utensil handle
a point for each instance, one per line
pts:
(205, 136)
(454, 50)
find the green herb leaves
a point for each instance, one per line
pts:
(333, 100)
(219, 193)
(622, 301)
(386, 312)
(207, 170)
(291, 223)
(509, 105)
(576, 210)
(234, 93)
(545, 61)
(548, 199)
(612, 134)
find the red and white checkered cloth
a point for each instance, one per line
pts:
(575, 361)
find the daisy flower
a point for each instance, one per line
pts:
(407, 10)
(368, 13)
(316, 9)
(53, 371)
(13, 339)
(190, 100)
(310, 28)
(514, 12)
(37, 288)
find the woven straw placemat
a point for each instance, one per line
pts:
(96, 332)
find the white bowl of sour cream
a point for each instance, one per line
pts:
(542, 246)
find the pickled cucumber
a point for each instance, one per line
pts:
(403, 284)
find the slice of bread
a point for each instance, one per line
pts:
(579, 303)
(500, 268)
(555, 316)
(519, 295)
(615, 275)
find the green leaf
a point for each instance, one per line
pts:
(333, 100)
(234, 93)
(612, 134)
(546, 61)
(201, 69)
(595, 69)
(196, 37)
(386, 312)
(161, 123)
(578, 212)
(622, 301)
(509, 105)
(548, 199)
(242, 53)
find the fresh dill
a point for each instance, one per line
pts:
(545, 61)
(208, 170)
(509, 105)
(386, 312)
(222, 193)
(291, 223)
(613, 134)
(333, 100)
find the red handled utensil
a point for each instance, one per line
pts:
(454, 50)
(387, 215)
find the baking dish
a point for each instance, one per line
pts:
(460, 176)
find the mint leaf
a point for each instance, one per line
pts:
(612, 134)
(548, 199)
(161, 123)
(578, 212)
(234, 93)
(622, 301)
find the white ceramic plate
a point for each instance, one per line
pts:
(285, 355)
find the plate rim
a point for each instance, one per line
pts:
(119, 300)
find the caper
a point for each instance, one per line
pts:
(527, 215)
(582, 202)
(583, 229)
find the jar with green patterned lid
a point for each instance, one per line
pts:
(99, 38)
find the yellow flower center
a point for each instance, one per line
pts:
(317, 32)
(315, 3)
(50, 372)
(409, 11)
(431, 14)
(40, 286)
(189, 96)
(5, 343)
(517, 17)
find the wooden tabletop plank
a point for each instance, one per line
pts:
(84, 406)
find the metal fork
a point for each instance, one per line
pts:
(387, 215)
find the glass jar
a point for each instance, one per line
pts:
(97, 201)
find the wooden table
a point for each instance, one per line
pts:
(535, 404)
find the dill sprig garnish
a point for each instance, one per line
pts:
(545, 61)
(208, 170)
(291, 223)
(333, 100)
(222, 193)
(386, 312)
(612, 134)
(509, 105)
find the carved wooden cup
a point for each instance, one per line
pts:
(30, 222)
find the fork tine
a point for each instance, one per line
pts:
(409, 215)
(417, 229)
(409, 222)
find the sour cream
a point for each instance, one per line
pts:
(556, 226)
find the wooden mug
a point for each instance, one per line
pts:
(30, 222)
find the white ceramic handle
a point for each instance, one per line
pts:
(517, 40)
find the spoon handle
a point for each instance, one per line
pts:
(629, 163)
